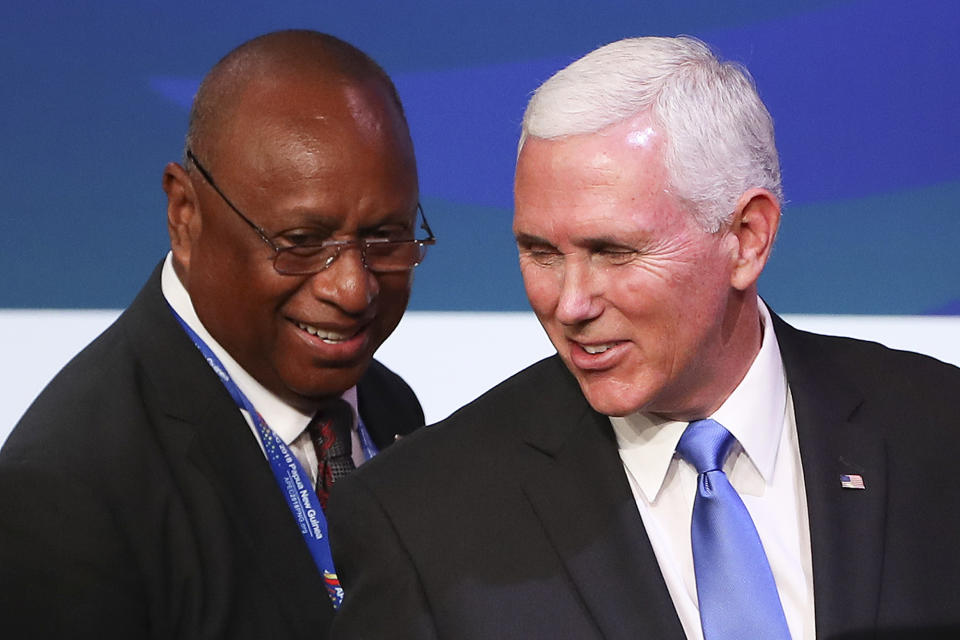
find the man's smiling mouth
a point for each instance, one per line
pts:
(330, 337)
(597, 348)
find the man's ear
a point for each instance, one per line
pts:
(755, 223)
(183, 215)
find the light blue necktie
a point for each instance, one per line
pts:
(735, 587)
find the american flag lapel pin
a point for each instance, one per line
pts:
(852, 482)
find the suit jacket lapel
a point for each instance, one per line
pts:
(203, 419)
(225, 451)
(574, 478)
(846, 525)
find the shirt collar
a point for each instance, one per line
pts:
(753, 413)
(285, 420)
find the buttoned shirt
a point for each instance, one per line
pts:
(764, 467)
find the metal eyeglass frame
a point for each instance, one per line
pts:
(339, 245)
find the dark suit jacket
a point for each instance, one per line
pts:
(135, 503)
(514, 518)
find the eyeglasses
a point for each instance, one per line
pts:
(298, 256)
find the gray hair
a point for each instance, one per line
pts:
(720, 140)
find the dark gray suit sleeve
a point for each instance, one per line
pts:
(384, 596)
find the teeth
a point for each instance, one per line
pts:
(329, 337)
(596, 348)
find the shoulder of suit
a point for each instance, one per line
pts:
(378, 372)
(102, 399)
(864, 355)
(538, 392)
(906, 386)
(537, 389)
(458, 450)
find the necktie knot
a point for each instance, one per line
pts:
(705, 444)
(336, 418)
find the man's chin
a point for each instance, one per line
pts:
(611, 398)
(309, 390)
(609, 406)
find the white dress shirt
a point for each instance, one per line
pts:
(764, 468)
(286, 421)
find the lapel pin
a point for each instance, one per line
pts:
(852, 482)
(396, 437)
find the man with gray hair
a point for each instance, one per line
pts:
(687, 465)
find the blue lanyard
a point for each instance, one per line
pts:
(289, 473)
(366, 442)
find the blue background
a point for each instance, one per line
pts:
(865, 96)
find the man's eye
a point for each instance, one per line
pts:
(543, 257)
(299, 238)
(616, 257)
(391, 234)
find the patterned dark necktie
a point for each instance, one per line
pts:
(330, 431)
(735, 588)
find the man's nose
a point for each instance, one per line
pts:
(580, 290)
(347, 283)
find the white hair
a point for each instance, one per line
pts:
(720, 140)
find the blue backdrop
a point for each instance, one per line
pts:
(865, 96)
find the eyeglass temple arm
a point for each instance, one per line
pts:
(426, 225)
(209, 179)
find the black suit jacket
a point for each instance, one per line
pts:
(135, 503)
(514, 519)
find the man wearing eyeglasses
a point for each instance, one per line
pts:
(171, 481)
